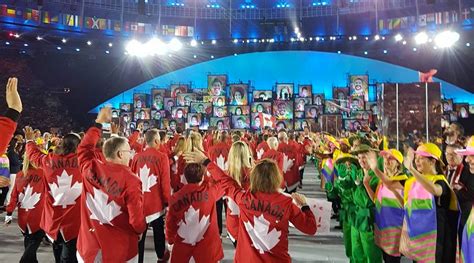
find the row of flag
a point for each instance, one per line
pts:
(438, 18)
(71, 20)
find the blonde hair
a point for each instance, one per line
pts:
(193, 141)
(179, 146)
(238, 159)
(265, 177)
(27, 165)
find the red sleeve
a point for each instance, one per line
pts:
(134, 200)
(225, 183)
(171, 227)
(303, 219)
(7, 128)
(86, 149)
(165, 183)
(133, 141)
(13, 198)
(35, 156)
(133, 164)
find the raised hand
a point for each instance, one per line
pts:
(105, 115)
(299, 199)
(140, 127)
(12, 96)
(195, 157)
(372, 160)
(29, 133)
(408, 161)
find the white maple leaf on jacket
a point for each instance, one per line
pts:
(63, 192)
(192, 230)
(287, 163)
(260, 153)
(262, 239)
(28, 199)
(220, 161)
(102, 210)
(233, 206)
(148, 180)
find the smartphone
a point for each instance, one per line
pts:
(106, 127)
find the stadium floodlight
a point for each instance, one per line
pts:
(398, 37)
(175, 45)
(421, 38)
(135, 48)
(446, 39)
(64, 40)
(377, 37)
(193, 43)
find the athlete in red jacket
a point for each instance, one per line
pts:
(8, 121)
(152, 167)
(112, 201)
(191, 223)
(273, 153)
(291, 172)
(61, 219)
(262, 147)
(265, 212)
(28, 195)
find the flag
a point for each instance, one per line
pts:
(141, 28)
(148, 29)
(439, 18)
(27, 14)
(102, 23)
(54, 19)
(395, 23)
(382, 25)
(422, 20)
(404, 22)
(454, 17)
(117, 26)
(11, 12)
(168, 30)
(190, 31)
(466, 14)
(181, 31)
(446, 17)
(70, 20)
(266, 120)
(46, 19)
(430, 18)
(134, 27)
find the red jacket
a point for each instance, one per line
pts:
(261, 149)
(153, 169)
(218, 153)
(264, 220)
(64, 185)
(275, 156)
(300, 153)
(133, 141)
(28, 195)
(191, 224)
(232, 212)
(7, 128)
(112, 211)
(290, 171)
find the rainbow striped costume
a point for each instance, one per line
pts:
(388, 218)
(419, 232)
(328, 170)
(467, 248)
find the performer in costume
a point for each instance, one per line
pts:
(362, 231)
(344, 186)
(467, 244)
(430, 220)
(388, 199)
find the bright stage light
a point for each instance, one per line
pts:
(385, 51)
(25, 45)
(111, 45)
(414, 49)
(292, 39)
(175, 45)
(421, 38)
(193, 43)
(446, 39)
(58, 48)
(7, 43)
(89, 42)
(136, 48)
(302, 39)
(212, 57)
(354, 38)
(235, 54)
(255, 41)
(248, 41)
(77, 50)
(16, 35)
(236, 41)
(64, 40)
(468, 44)
(39, 38)
(194, 56)
(398, 37)
(376, 37)
(107, 52)
(156, 47)
(213, 41)
(404, 42)
(365, 52)
(338, 52)
(318, 38)
(297, 30)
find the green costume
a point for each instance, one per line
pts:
(362, 230)
(344, 186)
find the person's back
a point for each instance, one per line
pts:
(191, 223)
(112, 202)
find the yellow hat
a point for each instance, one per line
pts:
(333, 140)
(345, 141)
(393, 153)
(469, 148)
(429, 150)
